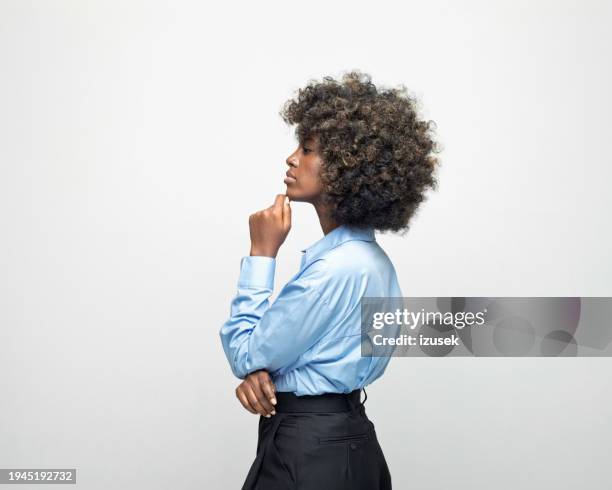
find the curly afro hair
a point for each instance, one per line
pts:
(378, 156)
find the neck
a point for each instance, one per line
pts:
(326, 222)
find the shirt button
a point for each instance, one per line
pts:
(353, 445)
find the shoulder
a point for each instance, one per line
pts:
(356, 256)
(350, 261)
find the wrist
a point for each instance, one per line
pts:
(262, 252)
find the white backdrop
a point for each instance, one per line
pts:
(137, 137)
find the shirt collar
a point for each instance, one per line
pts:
(337, 236)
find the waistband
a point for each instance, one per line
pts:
(287, 402)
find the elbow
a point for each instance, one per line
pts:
(242, 356)
(232, 354)
(239, 371)
(243, 364)
(238, 360)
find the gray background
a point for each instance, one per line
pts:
(136, 137)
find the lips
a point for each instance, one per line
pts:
(290, 179)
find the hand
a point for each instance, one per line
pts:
(256, 393)
(269, 227)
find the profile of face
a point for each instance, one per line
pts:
(302, 180)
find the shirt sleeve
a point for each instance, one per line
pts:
(260, 336)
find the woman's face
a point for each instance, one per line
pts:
(303, 183)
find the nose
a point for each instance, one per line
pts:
(292, 160)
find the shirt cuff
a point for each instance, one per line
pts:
(257, 272)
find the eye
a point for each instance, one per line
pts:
(306, 150)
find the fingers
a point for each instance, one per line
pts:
(277, 208)
(257, 393)
(244, 400)
(279, 200)
(252, 399)
(264, 405)
(256, 401)
(269, 228)
(267, 386)
(282, 209)
(287, 215)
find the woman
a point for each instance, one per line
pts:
(364, 161)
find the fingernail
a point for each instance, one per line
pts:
(267, 416)
(273, 412)
(273, 401)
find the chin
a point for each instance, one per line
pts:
(292, 195)
(296, 196)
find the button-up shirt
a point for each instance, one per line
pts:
(309, 337)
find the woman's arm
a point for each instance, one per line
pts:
(258, 335)
(268, 231)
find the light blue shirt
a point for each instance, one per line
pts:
(309, 338)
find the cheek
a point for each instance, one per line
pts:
(311, 181)
(312, 173)
(308, 186)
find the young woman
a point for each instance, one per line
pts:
(364, 161)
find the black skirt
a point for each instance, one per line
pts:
(318, 442)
